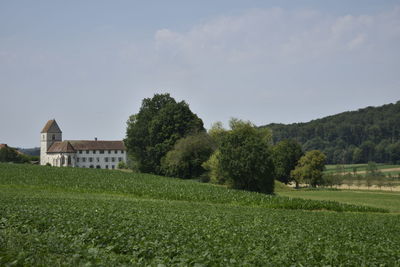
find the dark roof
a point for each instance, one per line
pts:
(3, 146)
(74, 145)
(97, 145)
(51, 127)
(61, 146)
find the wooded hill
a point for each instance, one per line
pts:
(35, 151)
(368, 134)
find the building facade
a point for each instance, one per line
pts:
(78, 153)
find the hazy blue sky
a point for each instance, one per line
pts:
(89, 64)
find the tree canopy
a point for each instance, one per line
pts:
(309, 169)
(154, 130)
(9, 154)
(286, 154)
(245, 158)
(186, 158)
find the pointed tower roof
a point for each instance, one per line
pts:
(51, 127)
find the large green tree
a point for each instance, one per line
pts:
(154, 130)
(309, 169)
(245, 158)
(286, 154)
(186, 158)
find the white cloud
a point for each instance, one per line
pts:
(357, 41)
(268, 58)
(277, 35)
(165, 36)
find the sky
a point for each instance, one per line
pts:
(90, 63)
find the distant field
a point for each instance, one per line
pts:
(73, 217)
(361, 168)
(379, 199)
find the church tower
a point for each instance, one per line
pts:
(50, 134)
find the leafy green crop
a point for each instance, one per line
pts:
(154, 187)
(74, 217)
(68, 231)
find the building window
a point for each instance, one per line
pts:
(98, 167)
(83, 159)
(122, 152)
(98, 159)
(90, 159)
(91, 166)
(115, 151)
(113, 159)
(94, 151)
(112, 167)
(77, 159)
(80, 151)
(101, 151)
(109, 151)
(53, 137)
(106, 166)
(119, 159)
(106, 159)
(87, 151)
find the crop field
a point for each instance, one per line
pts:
(361, 168)
(380, 199)
(74, 217)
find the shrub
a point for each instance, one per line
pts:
(122, 165)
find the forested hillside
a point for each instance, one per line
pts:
(368, 134)
(30, 151)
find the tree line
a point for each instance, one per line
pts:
(166, 138)
(369, 134)
(9, 154)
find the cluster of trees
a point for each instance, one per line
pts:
(165, 137)
(369, 134)
(155, 130)
(243, 158)
(9, 154)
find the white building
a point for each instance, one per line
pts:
(78, 153)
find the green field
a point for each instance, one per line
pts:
(363, 167)
(379, 199)
(64, 216)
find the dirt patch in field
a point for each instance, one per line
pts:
(362, 187)
(374, 187)
(382, 170)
